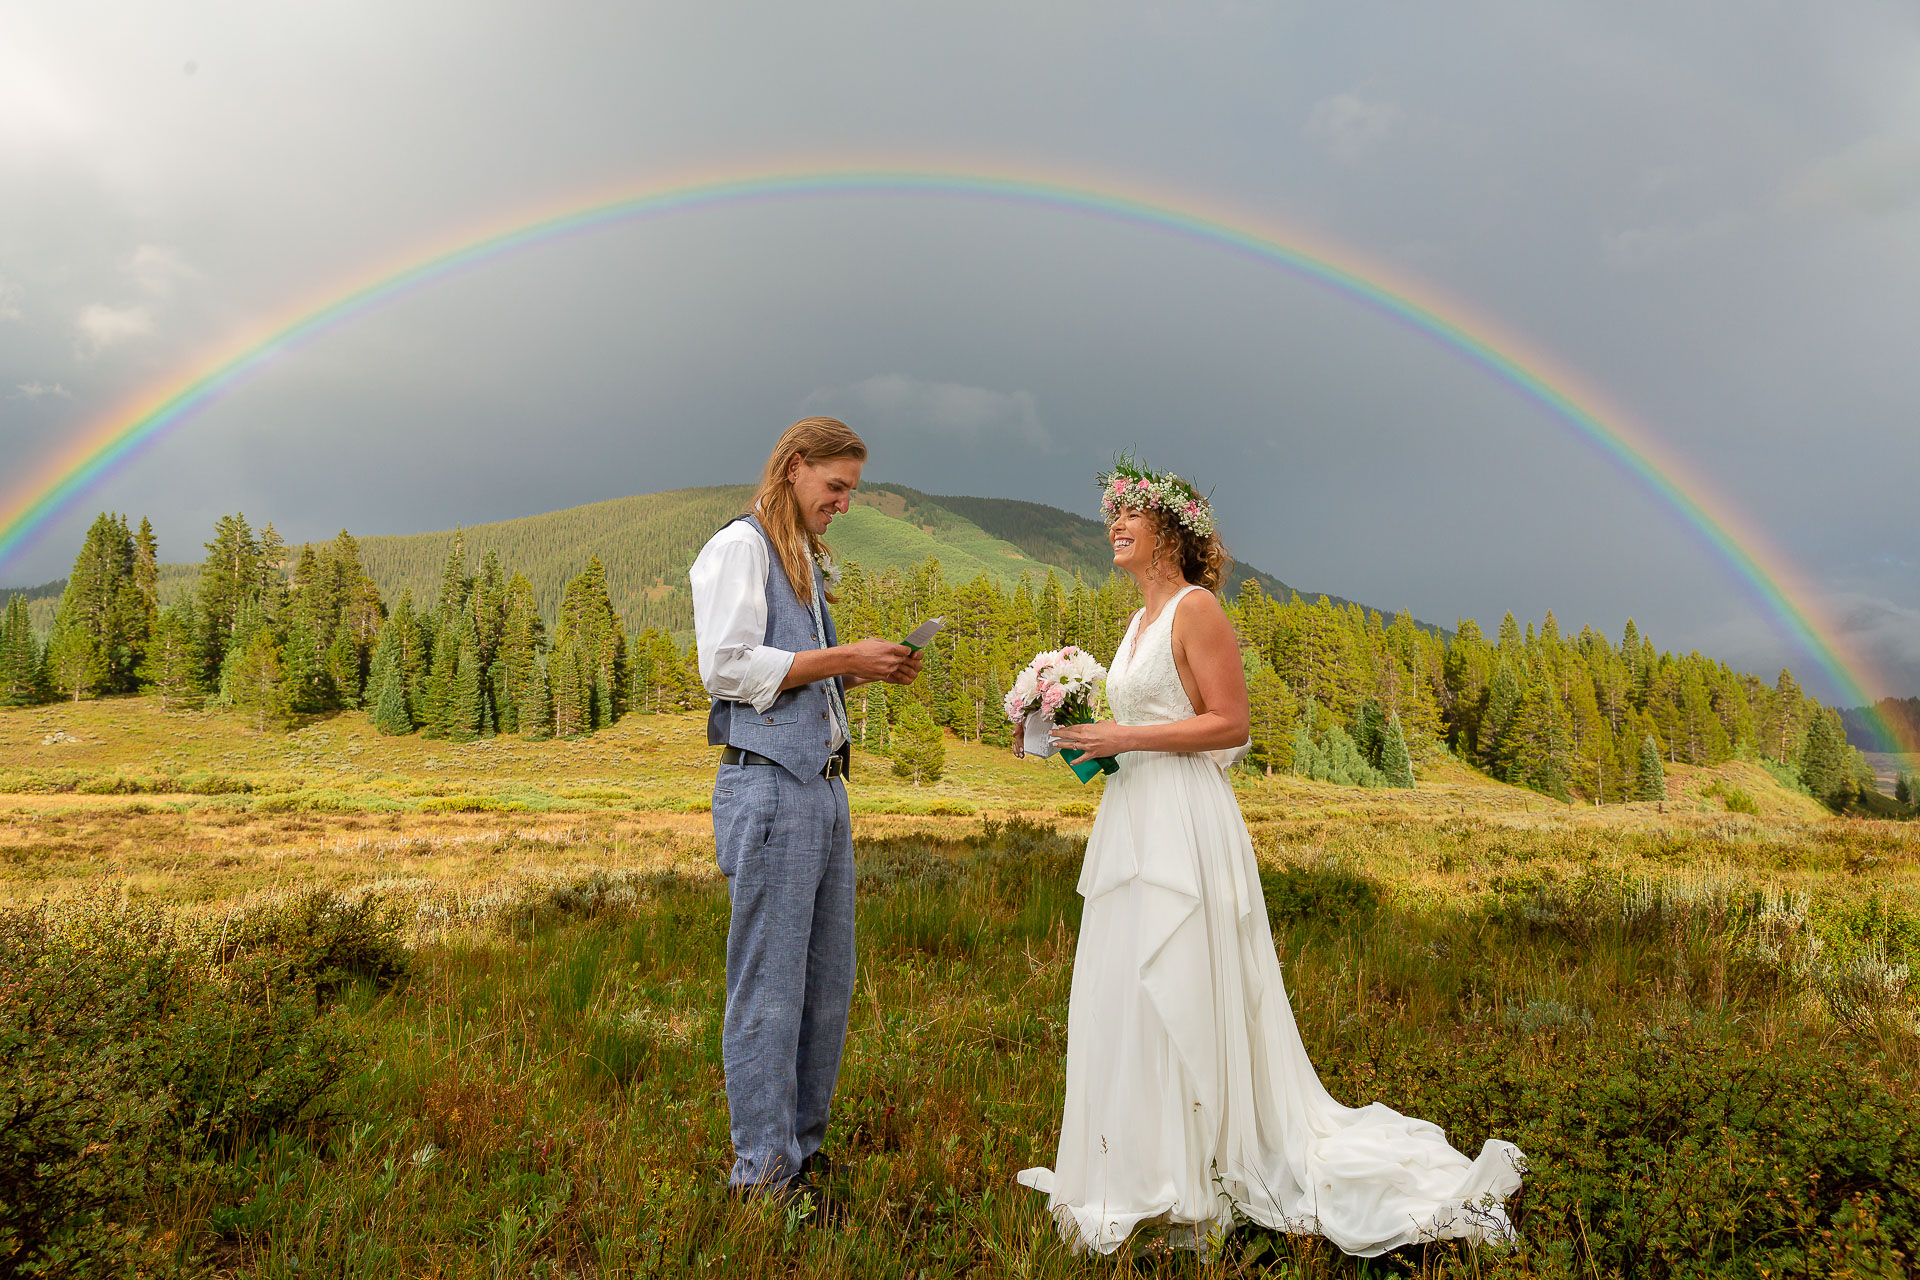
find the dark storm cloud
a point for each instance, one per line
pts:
(1713, 214)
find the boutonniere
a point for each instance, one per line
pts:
(829, 571)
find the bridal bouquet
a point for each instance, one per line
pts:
(1058, 688)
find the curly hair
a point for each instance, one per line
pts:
(1204, 561)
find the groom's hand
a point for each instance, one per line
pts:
(908, 671)
(877, 659)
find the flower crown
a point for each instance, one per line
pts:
(1132, 485)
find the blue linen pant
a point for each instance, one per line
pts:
(786, 849)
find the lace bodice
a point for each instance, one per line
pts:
(1143, 684)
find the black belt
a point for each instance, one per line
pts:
(836, 766)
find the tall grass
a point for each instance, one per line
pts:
(1711, 1074)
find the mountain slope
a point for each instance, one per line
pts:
(1052, 536)
(646, 542)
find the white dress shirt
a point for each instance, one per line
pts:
(729, 580)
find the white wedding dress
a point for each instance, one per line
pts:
(1189, 1091)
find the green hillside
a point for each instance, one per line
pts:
(1051, 536)
(646, 542)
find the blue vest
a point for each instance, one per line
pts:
(797, 730)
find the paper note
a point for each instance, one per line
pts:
(922, 635)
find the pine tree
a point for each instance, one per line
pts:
(1904, 790)
(589, 628)
(343, 669)
(919, 751)
(1537, 747)
(78, 665)
(466, 694)
(1509, 643)
(522, 639)
(1824, 763)
(867, 709)
(1336, 759)
(534, 707)
(489, 606)
(572, 714)
(390, 702)
(1789, 717)
(103, 602)
(387, 677)
(455, 586)
(1370, 730)
(1395, 763)
(436, 704)
(258, 685)
(1651, 782)
(229, 581)
(491, 681)
(21, 662)
(308, 687)
(414, 641)
(271, 586)
(172, 666)
(640, 674)
(1503, 700)
(1272, 710)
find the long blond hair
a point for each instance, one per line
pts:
(813, 440)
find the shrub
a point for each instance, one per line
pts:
(214, 784)
(319, 937)
(1325, 893)
(1785, 774)
(919, 750)
(1664, 1153)
(131, 1051)
(469, 804)
(597, 893)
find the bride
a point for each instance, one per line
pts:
(1189, 1092)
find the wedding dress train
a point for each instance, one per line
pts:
(1189, 1092)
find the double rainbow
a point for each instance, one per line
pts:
(115, 439)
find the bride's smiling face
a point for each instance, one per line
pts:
(1133, 534)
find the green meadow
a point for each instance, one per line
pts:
(328, 1003)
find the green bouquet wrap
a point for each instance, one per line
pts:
(1083, 765)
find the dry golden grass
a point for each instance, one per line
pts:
(335, 803)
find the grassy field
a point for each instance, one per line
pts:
(327, 1003)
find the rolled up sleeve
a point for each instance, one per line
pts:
(729, 580)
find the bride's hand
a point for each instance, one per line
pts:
(1020, 739)
(1102, 738)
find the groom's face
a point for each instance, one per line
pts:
(823, 489)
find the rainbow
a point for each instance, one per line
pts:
(111, 442)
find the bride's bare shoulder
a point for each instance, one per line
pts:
(1199, 613)
(1200, 604)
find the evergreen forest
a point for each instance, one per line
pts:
(1339, 692)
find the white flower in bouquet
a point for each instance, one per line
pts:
(1058, 687)
(1059, 679)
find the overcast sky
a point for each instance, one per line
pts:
(1709, 211)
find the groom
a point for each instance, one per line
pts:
(770, 660)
